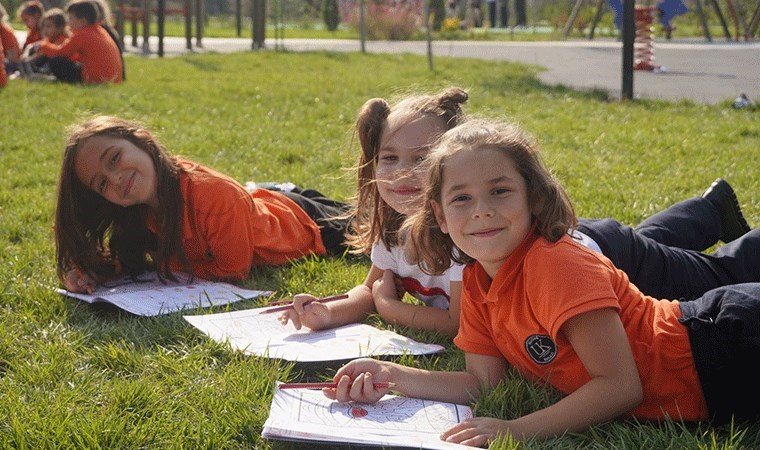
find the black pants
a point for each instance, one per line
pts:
(330, 215)
(663, 258)
(724, 331)
(65, 69)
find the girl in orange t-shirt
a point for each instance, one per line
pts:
(55, 31)
(557, 312)
(11, 51)
(31, 12)
(3, 75)
(125, 206)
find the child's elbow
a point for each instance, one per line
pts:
(634, 393)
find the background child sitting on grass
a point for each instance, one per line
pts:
(55, 31)
(31, 12)
(11, 50)
(99, 57)
(3, 75)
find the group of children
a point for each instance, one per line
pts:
(463, 215)
(77, 45)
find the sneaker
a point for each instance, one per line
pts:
(724, 198)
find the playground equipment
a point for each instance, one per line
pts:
(140, 11)
(643, 44)
(736, 10)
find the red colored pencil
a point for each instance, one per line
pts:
(321, 300)
(380, 385)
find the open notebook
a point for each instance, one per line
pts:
(260, 334)
(147, 296)
(308, 416)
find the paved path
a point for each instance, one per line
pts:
(694, 70)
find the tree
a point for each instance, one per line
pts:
(331, 14)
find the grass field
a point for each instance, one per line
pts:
(76, 376)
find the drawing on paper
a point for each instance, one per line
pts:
(392, 413)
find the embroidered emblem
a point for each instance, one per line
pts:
(541, 348)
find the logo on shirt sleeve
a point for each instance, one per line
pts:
(541, 348)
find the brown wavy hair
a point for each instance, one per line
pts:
(553, 213)
(373, 219)
(99, 237)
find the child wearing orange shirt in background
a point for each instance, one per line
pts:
(55, 31)
(30, 13)
(3, 75)
(99, 56)
(11, 50)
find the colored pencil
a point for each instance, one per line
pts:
(386, 385)
(321, 300)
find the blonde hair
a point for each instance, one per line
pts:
(373, 219)
(553, 213)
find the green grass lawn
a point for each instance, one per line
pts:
(77, 376)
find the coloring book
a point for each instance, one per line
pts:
(304, 415)
(260, 334)
(146, 295)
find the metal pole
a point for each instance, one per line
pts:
(629, 35)
(238, 17)
(161, 18)
(428, 35)
(362, 31)
(189, 24)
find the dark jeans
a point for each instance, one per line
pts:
(329, 214)
(65, 69)
(724, 332)
(663, 258)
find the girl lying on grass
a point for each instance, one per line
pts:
(394, 139)
(125, 205)
(662, 256)
(535, 299)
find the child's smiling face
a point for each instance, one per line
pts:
(484, 205)
(118, 170)
(403, 146)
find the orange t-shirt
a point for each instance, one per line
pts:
(32, 36)
(227, 230)
(8, 39)
(3, 75)
(98, 53)
(519, 316)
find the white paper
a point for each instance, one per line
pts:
(150, 297)
(260, 334)
(307, 415)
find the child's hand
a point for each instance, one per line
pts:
(355, 381)
(314, 315)
(476, 432)
(78, 281)
(386, 291)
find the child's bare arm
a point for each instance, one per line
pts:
(355, 381)
(390, 307)
(614, 389)
(318, 316)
